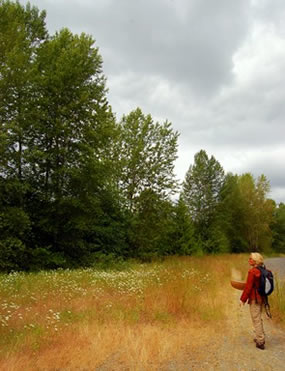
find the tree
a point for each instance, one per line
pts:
(232, 214)
(146, 152)
(73, 118)
(15, 226)
(201, 192)
(68, 158)
(56, 125)
(22, 30)
(246, 212)
(144, 155)
(201, 189)
(182, 240)
(278, 228)
(257, 209)
(150, 227)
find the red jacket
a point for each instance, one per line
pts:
(250, 291)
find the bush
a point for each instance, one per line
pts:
(13, 254)
(110, 261)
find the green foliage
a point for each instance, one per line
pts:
(183, 231)
(69, 135)
(218, 241)
(145, 155)
(201, 188)
(278, 228)
(15, 226)
(13, 255)
(258, 211)
(22, 29)
(247, 212)
(231, 214)
(110, 261)
(79, 189)
(56, 172)
(150, 227)
(201, 193)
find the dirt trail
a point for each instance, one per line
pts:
(237, 350)
(233, 348)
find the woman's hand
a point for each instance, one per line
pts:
(241, 303)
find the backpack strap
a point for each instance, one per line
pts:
(255, 289)
(267, 307)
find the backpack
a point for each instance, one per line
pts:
(266, 285)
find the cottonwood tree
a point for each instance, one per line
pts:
(201, 187)
(22, 30)
(56, 126)
(246, 212)
(257, 209)
(201, 194)
(232, 214)
(146, 154)
(73, 126)
(73, 120)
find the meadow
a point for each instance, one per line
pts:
(142, 315)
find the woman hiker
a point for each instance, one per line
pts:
(250, 294)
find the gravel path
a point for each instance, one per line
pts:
(277, 265)
(233, 349)
(238, 352)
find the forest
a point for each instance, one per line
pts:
(78, 187)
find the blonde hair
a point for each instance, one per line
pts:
(258, 258)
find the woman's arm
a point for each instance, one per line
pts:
(248, 287)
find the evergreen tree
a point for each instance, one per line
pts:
(183, 240)
(201, 193)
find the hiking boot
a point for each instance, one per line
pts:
(260, 346)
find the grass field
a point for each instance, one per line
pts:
(68, 319)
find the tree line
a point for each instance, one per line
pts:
(78, 186)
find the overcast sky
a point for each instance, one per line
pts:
(215, 69)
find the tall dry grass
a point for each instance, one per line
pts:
(138, 318)
(277, 301)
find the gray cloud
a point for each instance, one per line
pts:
(186, 42)
(213, 68)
